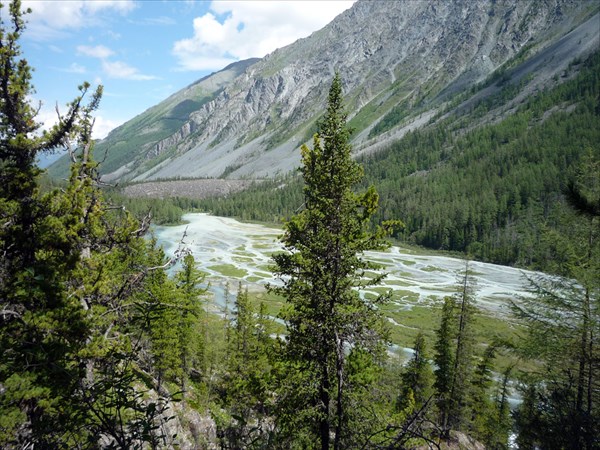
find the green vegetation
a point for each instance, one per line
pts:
(393, 104)
(155, 124)
(162, 212)
(80, 287)
(101, 345)
(325, 317)
(229, 270)
(488, 190)
(561, 407)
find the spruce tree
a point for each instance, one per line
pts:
(464, 349)
(417, 377)
(320, 269)
(71, 331)
(190, 328)
(444, 360)
(246, 391)
(42, 327)
(566, 404)
(454, 353)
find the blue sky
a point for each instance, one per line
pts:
(144, 50)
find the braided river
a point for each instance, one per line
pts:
(226, 249)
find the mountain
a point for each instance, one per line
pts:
(400, 61)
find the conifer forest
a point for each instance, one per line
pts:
(107, 342)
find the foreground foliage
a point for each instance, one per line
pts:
(98, 340)
(77, 285)
(561, 406)
(335, 339)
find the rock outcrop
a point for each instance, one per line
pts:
(390, 54)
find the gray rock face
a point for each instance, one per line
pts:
(388, 53)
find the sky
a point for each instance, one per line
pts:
(142, 51)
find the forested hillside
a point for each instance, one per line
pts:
(106, 343)
(397, 60)
(486, 189)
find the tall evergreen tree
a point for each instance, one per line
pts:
(444, 360)
(247, 390)
(464, 350)
(417, 377)
(564, 401)
(69, 341)
(320, 269)
(190, 328)
(454, 354)
(42, 327)
(488, 415)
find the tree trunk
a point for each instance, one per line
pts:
(324, 397)
(340, 389)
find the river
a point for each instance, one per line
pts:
(227, 249)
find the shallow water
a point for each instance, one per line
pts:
(218, 242)
(221, 244)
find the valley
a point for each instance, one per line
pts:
(229, 252)
(152, 296)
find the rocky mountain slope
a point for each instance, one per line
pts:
(399, 60)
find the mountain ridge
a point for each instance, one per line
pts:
(399, 61)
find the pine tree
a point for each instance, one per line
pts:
(322, 264)
(488, 415)
(444, 360)
(417, 377)
(247, 387)
(164, 318)
(42, 327)
(71, 332)
(454, 353)
(566, 407)
(464, 350)
(190, 328)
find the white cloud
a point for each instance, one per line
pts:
(46, 116)
(156, 21)
(98, 51)
(113, 34)
(103, 126)
(236, 30)
(120, 6)
(49, 19)
(121, 70)
(75, 68)
(114, 69)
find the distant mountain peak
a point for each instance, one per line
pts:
(398, 61)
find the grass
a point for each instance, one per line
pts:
(254, 279)
(409, 316)
(242, 259)
(261, 246)
(487, 329)
(405, 295)
(264, 274)
(229, 270)
(398, 283)
(452, 289)
(433, 269)
(382, 262)
(273, 302)
(371, 274)
(407, 262)
(241, 251)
